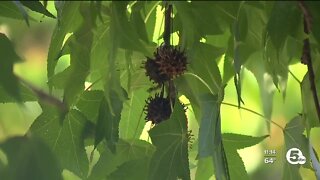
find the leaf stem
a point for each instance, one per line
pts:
(294, 77)
(254, 112)
(92, 84)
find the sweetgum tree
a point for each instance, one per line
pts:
(133, 65)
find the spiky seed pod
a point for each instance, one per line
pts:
(168, 63)
(171, 61)
(153, 71)
(157, 109)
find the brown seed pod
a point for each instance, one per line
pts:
(168, 63)
(157, 109)
(153, 71)
(172, 62)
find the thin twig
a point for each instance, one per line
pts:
(43, 96)
(306, 56)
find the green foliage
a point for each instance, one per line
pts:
(232, 143)
(98, 100)
(170, 160)
(9, 9)
(8, 81)
(37, 7)
(29, 156)
(109, 164)
(294, 138)
(64, 138)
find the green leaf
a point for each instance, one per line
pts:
(29, 158)
(204, 168)
(100, 50)
(26, 95)
(201, 16)
(37, 7)
(137, 21)
(89, 103)
(126, 150)
(239, 141)
(68, 21)
(170, 161)
(315, 14)
(294, 138)
(314, 159)
(210, 140)
(235, 165)
(80, 54)
(108, 123)
(65, 140)
(202, 63)
(284, 20)
(209, 132)
(150, 17)
(125, 34)
(132, 119)
(60, 80)
(8, 80)
(309, 109)
(22, 11)
(9, 9)
(233, 142)
(128, 170)
(258, 67)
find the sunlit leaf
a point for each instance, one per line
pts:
(80, 55)
(132, 116)
(37, 7)
(202, 63)
(239, 141)
(309, 109)
(233, 142)
(69, 19)
(28, 158)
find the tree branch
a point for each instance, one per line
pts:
(43, 96)
(306, 55)
(167, 24)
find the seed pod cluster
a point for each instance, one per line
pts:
(168, 63)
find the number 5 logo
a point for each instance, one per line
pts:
(295, 156)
